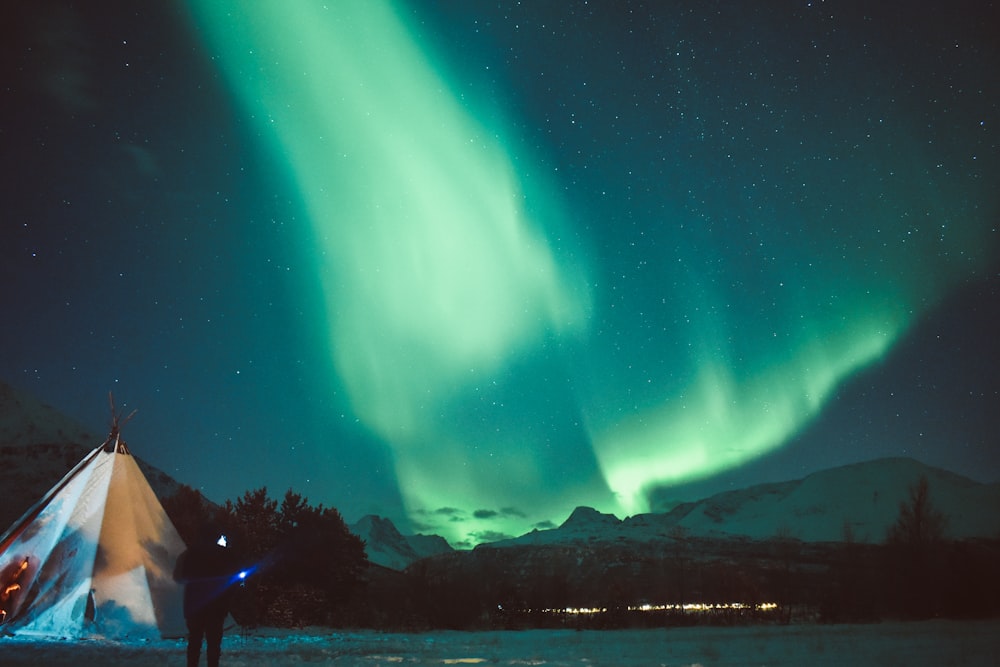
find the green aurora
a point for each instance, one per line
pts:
(442, 246)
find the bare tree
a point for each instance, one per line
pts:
(917, 575)
(919, 522)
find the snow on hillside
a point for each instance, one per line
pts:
(386, 546)
(584, 522)
(428, 545)
(861, 500)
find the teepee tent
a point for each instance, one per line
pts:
(94, 557)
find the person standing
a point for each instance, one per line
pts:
(209, 572)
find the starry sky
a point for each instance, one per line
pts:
(468, 265)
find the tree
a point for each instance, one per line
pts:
(915, 544)
(188, 511)
(303, 559)
(919, 523)
(318, 549)
(254, 521)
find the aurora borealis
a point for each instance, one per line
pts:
(470, 267)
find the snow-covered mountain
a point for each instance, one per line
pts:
(856, 502)
(387, 547)
(860, 501)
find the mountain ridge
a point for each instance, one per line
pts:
(857, 501)
(26, 420)
(386, 546)
(39, 445)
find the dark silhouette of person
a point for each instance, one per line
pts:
(209, 571)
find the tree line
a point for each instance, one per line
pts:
(308, 569)
(915, 572)
(305, 567)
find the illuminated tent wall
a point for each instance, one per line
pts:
(94, 557)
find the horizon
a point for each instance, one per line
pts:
(551, 526)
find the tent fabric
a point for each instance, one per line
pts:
(94, 557)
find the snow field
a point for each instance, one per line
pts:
(938, 643)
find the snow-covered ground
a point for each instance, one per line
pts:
(928, 643)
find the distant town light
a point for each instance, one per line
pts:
(694, 607)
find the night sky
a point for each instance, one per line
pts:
(468, 265)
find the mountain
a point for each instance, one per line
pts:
(25, 420)
(386, 546)
(39, 445)
(861, 500)
(812, 549)
(857, 502)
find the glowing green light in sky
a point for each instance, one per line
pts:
(439, 273)
(434, 271)
(721, 421)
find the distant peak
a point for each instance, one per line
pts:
(372, 519)
(588, 516)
